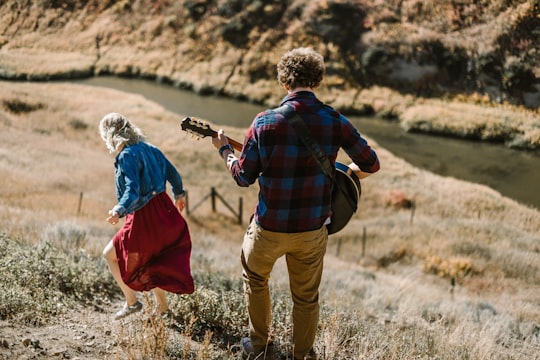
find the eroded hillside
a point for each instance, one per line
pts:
(231, 46)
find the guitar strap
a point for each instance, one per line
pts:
(322, 159)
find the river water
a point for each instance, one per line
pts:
(513, 173)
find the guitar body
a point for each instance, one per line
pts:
(342, 211)
(345, 197)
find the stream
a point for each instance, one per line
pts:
(513, 173)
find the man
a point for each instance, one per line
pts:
(294, 204)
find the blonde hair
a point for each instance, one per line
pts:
(116, 130)
(301, 67)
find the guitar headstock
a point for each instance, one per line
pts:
(197, 127)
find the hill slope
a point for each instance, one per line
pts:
(459, 273)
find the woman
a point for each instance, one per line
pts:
(152, 249)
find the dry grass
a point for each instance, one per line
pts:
(456, 278)
(472, 121)
(46, 66)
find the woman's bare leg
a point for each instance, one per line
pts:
(109, 253)
(161, 299)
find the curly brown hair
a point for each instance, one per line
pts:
(300, 67)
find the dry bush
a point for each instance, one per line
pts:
(143, 336)
(69, 237)
(41, 282)
(454, 268)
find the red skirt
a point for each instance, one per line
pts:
(153, 248)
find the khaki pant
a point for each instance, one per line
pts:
(304, 254)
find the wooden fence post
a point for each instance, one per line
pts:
(363, 241)
(215, 195)
(79, 207)
(240, 210)
(213, 192)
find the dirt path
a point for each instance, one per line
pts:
(83, 334)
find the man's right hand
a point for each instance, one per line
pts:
(358, 172)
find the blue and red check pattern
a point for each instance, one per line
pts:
(295, 194)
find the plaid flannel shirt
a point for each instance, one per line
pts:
(294, 193)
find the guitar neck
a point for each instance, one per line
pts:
(235, 144)
(202, 129)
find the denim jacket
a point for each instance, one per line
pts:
(141, 172)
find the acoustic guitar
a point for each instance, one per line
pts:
(345, 196)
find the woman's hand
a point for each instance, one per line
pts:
(113, 217)
(180, 203)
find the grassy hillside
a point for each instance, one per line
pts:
(456, 275)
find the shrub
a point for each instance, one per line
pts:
(39, 282)
(217, 306)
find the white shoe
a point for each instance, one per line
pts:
(128, 310)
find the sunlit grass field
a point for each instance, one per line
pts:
(429, 267)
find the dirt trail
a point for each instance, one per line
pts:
(83, 334)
